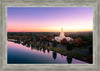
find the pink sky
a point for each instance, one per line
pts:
(49, 19)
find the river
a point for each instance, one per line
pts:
(19, 54)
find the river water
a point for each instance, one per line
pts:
(19, 54)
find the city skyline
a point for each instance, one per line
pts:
(49, 19)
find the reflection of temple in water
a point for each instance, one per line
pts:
(62, 36)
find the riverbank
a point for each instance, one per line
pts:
(66, 52)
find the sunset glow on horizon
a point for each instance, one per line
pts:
(49, 19)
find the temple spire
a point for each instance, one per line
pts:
(62, 36)
(62, 33)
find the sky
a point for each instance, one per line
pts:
(49, 19)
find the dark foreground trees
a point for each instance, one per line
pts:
(54, 43)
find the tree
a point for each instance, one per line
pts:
(66, 34)
(90, 50)
(90, 56)
(48, 44)
(54, 43)
(70, 46)
(78, 42)
(64, 41)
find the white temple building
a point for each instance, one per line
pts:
(62, 36)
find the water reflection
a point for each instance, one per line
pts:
(17, 42)
(28, 45)
(23, 44)
(35, 54)
(40, 49)
(37, 47)
(48, 51)
(44, 50)
(32, 46)
(69, 60)
(54, 55)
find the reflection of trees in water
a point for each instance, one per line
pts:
(18, 41)
(37, 47)
(40, 49)
(32, 46)
(48, 51)
(28, 45)
(69, 60)
(44, 50)
(54, 55)
(23, 44)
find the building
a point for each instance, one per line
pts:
(62, 36)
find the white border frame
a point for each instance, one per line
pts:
(47, 3)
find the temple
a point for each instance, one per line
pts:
(62, 36)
